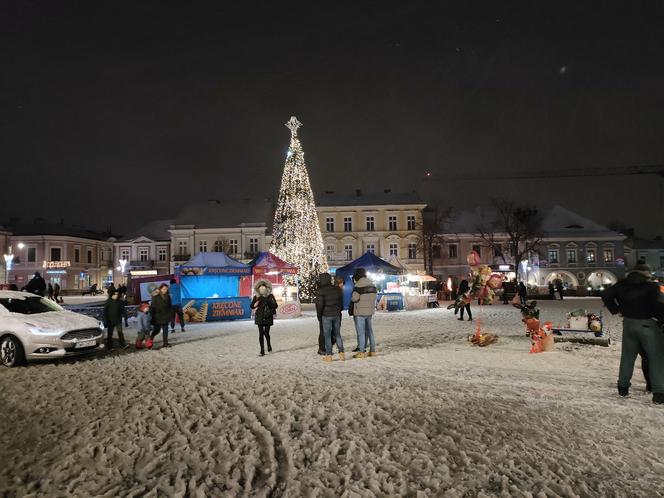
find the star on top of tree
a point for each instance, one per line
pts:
(293, 124)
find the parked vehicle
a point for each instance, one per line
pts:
(35, 328)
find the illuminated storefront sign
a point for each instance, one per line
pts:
(57, 264)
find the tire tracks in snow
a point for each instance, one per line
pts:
(274, 446)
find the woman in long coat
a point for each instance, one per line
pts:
(266, 307)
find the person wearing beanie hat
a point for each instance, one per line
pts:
(638, 299)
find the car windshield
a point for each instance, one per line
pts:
(29, 305)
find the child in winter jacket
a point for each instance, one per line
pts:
(144, 324)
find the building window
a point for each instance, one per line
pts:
(77, 254)
(89, 251)
(571, 256)
(553, 256)
(412, 251)
(411, 222)
(591, 256)
(218, 246)
(330, 250)
(453, 251)
(161, 253)
(348, 249)
(608, 255)
(477, 249)
(32, 254)
(253, 246)
(202, 246)
(329, 224)
(124, 254)
(371, 247)
(392, 223)
(348, 224)
(436, 251)
(56, 254)
(394, 249)
(497, 251)
(183, 247)
(143, 253)
(232, 246)
(371, 225)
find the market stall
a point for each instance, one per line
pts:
(381, 273)
(267, 266)
(210, 287)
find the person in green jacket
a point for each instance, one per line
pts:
(160, 309)
(113, 311)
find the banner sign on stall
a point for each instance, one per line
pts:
(147, 288)
(213, 310)
(208, 270)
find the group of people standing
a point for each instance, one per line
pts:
(329, 307)
(153, 319)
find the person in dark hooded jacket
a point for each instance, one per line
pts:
(329, 303)
(36, 285)
(638, 299)
(266, 306)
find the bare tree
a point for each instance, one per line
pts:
(431, 230)
(514, 229)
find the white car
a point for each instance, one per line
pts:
(35, 328)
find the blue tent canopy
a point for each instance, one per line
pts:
(213, 263)
(371, 263)
(211, 274)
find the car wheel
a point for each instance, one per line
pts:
(11, 351)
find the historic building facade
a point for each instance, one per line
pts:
(72, 257)
(574, 249)
(146, 251)
(238, 228)
(389, 225)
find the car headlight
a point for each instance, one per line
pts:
(41, 331)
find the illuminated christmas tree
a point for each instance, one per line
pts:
(296, 236)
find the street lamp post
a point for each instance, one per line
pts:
(9, 259)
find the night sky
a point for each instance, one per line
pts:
(119, 113)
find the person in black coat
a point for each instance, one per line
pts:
(36, 285)
(464, 287)
(113, 311)
(160, 308)
(329, 303)
(523, 293)
(266, 307)
(552, 291)
(560, 289)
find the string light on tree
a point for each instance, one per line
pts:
(296, 236)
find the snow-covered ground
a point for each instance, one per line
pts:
(432, 415)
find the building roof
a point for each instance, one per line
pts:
(226, 214)
(156, 230)
(60, 229)
(556, 221)
(656, 244)
(359, 198)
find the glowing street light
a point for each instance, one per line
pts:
(9, 260)
(21, 245)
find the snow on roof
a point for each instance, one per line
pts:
(214, 260)
(58, 229)
(156, 230)
(555, 220)
(371, 199)
(226, 214)
(560, 220)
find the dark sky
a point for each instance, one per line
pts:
(117, 113)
